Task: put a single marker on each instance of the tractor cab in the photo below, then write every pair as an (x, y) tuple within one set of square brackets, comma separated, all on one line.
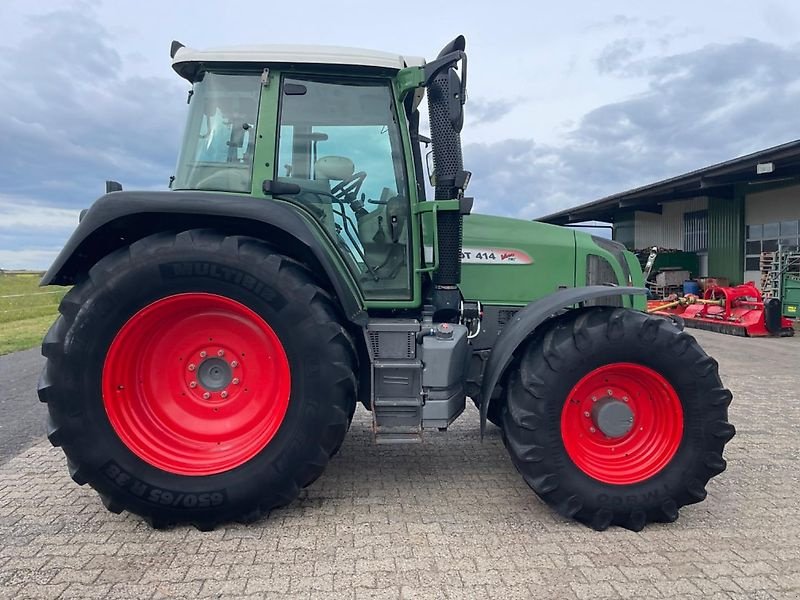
[(332, 139)]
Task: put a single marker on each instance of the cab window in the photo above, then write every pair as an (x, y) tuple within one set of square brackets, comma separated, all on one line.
[(219, 141), (340, 142)]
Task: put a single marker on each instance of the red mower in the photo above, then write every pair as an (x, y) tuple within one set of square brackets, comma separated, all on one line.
[(739, 310)]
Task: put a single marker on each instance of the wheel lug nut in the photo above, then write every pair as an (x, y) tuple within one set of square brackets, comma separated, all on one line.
[(624, 398), (206, 396), (609, 392), (234, 364), (592, 429), (235, 381), (191, 367), (220, 352), (223, 394), (193, 384), (203, 354), (586, 414), (594, 398)]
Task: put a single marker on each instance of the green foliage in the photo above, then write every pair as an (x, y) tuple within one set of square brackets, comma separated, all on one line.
[(26, 310)]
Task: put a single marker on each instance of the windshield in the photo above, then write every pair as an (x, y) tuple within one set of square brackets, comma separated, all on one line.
[(219, 142)]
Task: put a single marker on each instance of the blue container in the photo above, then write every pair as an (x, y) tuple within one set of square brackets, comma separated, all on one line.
[(691, 287)]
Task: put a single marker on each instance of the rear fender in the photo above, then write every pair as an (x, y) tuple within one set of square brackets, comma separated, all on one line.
[(120, 218), (526, 321)]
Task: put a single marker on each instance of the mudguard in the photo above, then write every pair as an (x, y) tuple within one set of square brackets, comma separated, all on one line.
[(120, 218), (525, 321)]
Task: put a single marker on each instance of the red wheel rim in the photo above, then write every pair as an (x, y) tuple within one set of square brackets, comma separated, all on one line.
[(196, 384), (655, 423)]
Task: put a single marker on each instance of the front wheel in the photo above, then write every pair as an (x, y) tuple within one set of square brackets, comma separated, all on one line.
[(614, 417), (198, 378)]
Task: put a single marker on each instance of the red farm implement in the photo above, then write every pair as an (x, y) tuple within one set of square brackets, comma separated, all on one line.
[(739, 310)]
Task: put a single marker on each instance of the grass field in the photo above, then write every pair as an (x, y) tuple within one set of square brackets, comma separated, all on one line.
[(26, 310)]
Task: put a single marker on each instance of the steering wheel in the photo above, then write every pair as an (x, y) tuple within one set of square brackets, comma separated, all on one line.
[(347, 189)]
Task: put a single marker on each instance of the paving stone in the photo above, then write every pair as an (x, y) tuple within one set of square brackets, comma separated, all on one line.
[(447, 519)]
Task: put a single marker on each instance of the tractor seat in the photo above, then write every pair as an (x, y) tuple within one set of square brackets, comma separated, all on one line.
[(337, 168)]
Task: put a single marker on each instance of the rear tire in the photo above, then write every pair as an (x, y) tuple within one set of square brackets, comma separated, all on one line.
[(146, 429), (670, 445)]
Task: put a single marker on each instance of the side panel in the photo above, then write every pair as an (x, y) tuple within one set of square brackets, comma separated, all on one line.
[(120, 218), (512, 262)]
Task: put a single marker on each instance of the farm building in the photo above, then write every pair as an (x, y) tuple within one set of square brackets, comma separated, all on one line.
[(726, 214)]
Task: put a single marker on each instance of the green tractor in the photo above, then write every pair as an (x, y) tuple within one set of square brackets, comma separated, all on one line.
[(207, 362)]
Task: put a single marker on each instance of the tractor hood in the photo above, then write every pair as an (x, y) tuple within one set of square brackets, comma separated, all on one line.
[(511, 261)]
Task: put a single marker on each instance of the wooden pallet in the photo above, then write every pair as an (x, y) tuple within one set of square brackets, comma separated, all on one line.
[(662, 291)]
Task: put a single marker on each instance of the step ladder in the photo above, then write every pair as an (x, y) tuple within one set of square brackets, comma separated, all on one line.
[(396, 381), (397, 420)]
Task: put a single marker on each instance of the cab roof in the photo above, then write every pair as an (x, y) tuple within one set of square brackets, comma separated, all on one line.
[(185, 60)]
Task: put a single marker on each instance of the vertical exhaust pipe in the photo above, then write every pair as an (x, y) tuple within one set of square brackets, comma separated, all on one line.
[(446, 94)]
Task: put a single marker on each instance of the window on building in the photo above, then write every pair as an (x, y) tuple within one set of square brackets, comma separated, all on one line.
[(768, 237), (695, 231)]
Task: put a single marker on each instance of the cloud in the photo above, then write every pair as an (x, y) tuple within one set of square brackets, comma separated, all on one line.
[(34, 258), (70, 118), (31, 233), (699, 108), (19, 213), (480, 110), (613, 22), (779, 19), (619, 54)]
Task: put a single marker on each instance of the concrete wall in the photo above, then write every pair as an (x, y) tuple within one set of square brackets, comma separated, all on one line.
[(775, 205)]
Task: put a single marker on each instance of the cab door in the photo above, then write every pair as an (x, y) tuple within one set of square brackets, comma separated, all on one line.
[(340, 140)]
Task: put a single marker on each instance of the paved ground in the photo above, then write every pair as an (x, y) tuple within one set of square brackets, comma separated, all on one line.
[(448, 519), (23, 419)]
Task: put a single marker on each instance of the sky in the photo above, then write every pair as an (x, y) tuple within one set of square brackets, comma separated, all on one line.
[(568, 101)]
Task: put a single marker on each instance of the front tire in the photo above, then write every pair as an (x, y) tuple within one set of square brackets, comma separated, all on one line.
[(614, 417), (198, 378)]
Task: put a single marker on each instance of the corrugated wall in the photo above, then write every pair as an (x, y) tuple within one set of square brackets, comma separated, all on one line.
[(624, 229), (665, 230), (726, 237)]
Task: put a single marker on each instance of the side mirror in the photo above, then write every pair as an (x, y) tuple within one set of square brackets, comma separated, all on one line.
[(456, 101)]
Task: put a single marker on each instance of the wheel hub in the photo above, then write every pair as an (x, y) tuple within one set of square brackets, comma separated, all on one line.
[(214, 374), (613, 417)]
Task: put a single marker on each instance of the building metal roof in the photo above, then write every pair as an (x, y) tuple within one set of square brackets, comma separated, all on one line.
[(773, 165), (183, 58)]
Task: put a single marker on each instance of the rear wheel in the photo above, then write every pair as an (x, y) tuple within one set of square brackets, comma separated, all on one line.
[(615, 417), (198, 378)]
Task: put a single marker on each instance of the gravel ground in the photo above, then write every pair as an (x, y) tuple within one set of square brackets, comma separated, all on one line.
[(446, 519)]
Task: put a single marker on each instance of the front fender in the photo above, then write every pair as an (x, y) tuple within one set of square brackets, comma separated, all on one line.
[(120, 218), (525, 321)]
